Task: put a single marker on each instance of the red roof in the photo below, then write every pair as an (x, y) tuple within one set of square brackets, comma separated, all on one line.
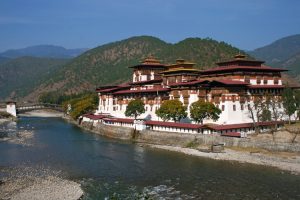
[(222, 81), (123, 120), (113, 88), (242, 125), (231, 134), (142, 91), (229, 82), (106, 87), (246, 68), (94, 117), (173, 124)]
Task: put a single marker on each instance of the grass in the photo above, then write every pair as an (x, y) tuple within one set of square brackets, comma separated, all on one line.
[(5, 115), (192, 144)]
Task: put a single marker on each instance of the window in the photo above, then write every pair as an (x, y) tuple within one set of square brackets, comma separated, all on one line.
[(234, 108), (247, 79), (242, 107), (223, 107), (258, 80)]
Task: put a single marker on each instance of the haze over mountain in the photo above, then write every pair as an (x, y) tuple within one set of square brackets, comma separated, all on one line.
[(3, 59), (43, 51)]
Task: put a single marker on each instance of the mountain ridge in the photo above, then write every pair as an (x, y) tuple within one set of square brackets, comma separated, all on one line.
[(19, 76), (279, 50), (108, 64), (43, 51)]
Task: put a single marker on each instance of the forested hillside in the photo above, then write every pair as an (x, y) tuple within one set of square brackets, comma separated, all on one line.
[(43, 51), (20, 76), (108, 64), (278, 51)]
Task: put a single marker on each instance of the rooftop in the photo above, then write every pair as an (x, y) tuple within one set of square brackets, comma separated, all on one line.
[(150, 61), (241, 60), (231, 68), (173, 124)]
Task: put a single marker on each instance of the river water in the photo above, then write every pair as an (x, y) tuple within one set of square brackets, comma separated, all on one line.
[(113, 169)]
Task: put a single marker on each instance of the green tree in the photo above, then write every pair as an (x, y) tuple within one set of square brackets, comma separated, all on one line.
[(201, 110), (289, 102), (297, 99), (135, 108), (172, 109), (82, 105), (266, 115)]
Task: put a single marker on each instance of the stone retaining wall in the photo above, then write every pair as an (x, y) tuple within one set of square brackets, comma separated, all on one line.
[(116, 132), (265, 141)]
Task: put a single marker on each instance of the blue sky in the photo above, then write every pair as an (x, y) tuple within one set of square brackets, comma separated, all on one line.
[(246, 24)]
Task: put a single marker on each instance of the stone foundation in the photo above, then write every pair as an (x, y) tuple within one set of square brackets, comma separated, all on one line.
[(282, 140)]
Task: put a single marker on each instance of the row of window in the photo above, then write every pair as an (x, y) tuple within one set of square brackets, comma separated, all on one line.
[(259, 80), (243, 106)]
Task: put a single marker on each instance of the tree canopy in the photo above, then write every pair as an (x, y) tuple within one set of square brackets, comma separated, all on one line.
[(201, 110), (172, 110), (289, 102), (135, 108), (81, 105)]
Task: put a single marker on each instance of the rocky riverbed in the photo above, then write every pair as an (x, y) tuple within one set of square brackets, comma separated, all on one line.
[(36, 183)]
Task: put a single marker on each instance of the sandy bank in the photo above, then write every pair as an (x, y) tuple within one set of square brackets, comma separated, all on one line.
[(28, 183), (46, 189), (42, 113), (281, 160), (4, 120)]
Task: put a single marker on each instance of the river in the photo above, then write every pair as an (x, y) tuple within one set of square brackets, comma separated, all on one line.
[(113, 169)]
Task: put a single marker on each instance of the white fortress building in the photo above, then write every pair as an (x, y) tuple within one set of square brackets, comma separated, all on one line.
[(237, 87)]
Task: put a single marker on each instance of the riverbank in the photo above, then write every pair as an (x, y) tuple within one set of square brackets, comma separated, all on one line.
[(280, 150), (282, 160), (6, 117), (2, 121), (36, 188), (25, 182)]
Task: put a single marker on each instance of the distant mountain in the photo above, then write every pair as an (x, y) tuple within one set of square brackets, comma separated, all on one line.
[(19, 76), (108, 64), (278, 51), (284, 53), (43, 51)]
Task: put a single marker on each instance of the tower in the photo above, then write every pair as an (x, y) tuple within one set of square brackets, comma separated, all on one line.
[(11, 108)]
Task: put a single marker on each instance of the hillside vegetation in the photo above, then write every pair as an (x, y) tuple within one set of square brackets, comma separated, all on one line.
[(43, 51), (108, 64), (284, 53), (19, 76), (278, 51)]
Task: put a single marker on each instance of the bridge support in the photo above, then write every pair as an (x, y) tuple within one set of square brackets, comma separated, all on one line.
[(11, 108)]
